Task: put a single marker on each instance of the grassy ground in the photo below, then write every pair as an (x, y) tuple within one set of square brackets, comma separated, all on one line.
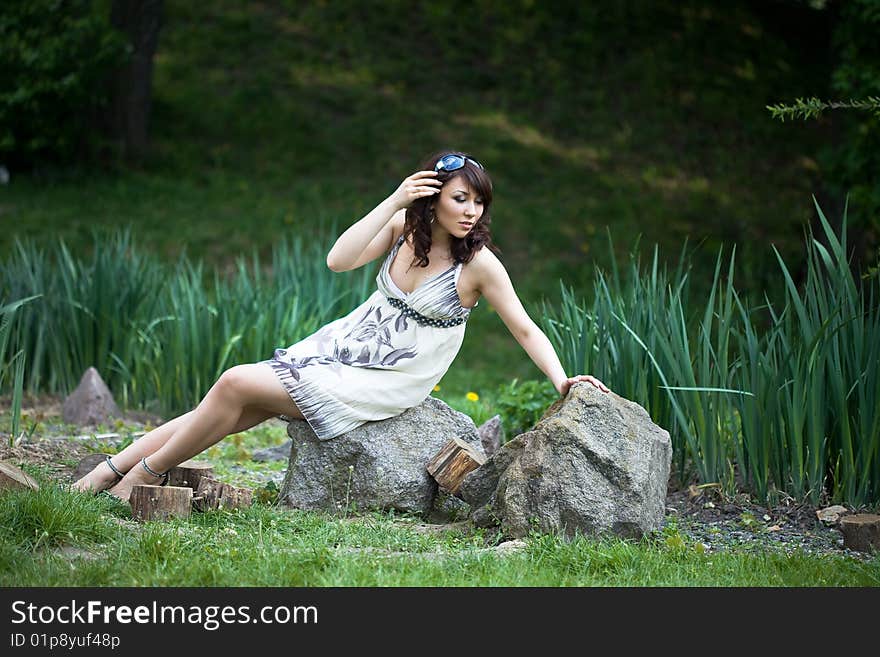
[(54, 537)]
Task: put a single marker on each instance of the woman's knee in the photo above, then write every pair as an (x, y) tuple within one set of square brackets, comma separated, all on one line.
[(233, 382)]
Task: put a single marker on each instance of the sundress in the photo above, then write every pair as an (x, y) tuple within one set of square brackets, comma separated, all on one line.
[(382, 358)]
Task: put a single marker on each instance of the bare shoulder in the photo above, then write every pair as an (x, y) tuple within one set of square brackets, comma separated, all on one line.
[(484, 258), (487, 267)]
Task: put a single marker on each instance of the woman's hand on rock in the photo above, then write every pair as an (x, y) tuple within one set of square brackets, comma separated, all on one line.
[(414, 187), (566, 385)]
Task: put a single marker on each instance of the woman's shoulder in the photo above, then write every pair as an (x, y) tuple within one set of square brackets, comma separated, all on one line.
[(485, 265), (484, 258)]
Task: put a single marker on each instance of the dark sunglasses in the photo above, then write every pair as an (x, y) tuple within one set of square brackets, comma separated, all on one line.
[(454, 163)]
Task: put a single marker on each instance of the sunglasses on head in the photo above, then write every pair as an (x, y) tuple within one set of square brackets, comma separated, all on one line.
[(454, 163)]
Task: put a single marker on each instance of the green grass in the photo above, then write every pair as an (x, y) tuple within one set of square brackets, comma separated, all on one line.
[(57, 538)]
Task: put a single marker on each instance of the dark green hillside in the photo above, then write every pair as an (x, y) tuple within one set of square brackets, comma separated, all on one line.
[(646, 118)]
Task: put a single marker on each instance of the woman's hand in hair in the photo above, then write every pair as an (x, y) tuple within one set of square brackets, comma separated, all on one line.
[(414, 187)]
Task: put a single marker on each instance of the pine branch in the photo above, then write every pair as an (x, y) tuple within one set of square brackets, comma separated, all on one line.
[(812, 108)]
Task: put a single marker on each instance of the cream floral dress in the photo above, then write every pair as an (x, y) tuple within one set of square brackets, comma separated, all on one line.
[(382, 358)]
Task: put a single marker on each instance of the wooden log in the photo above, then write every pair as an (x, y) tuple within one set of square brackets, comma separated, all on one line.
[(861, 532), (160, 502), (14, 477), (189, 473), (87, 464), (213, 494), (450, 465)]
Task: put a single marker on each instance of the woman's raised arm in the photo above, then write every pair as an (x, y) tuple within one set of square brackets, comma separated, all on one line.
[(370, 236), (496, 287)]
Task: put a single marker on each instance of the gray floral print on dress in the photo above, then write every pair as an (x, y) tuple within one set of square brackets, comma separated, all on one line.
[(370, 328)]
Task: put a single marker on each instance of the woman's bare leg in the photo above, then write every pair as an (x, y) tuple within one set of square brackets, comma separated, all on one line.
[(254, 386), (102, 476)]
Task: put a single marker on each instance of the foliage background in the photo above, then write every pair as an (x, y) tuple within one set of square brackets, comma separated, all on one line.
[(294, 118)]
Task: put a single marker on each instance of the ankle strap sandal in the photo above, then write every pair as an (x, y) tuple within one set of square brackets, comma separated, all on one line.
[(119, 474), (159, 475)]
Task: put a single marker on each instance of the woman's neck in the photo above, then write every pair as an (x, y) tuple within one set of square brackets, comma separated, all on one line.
[(441, 240)]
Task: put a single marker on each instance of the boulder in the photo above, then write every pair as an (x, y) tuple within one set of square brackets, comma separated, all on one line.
[(379, 465), (594, 463), (91, 403), (491, 435), (276, 453)]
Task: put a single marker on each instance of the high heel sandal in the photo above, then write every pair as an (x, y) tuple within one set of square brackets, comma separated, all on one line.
[(159, 475)]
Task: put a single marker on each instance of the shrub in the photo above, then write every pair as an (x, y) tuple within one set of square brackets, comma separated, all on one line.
[(522, 403), (56, 59)]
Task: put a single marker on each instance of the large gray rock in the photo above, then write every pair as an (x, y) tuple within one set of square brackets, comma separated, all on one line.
[(491, 435), (91, 403), (594, 463), (379, 465), (276, 453)]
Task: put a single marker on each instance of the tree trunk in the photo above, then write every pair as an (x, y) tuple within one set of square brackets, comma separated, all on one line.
[(861, 532), (86, 465), (213, 494), (189, 474), (450, 465), (14, 477), (139, 21), (160, 502)]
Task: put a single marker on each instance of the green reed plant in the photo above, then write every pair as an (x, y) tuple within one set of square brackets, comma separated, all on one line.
[(161, 334), (787, 395), (832, 339), (637, 337), (16, 363)]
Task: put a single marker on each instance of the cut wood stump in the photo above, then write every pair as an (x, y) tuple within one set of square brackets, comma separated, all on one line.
[(14, 477), (87, 465), (189, 474), (861, 532), (450, 465), (160, 502), (213, 494)]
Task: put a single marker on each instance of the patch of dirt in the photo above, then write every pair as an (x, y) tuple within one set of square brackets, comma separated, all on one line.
[(719, 523)]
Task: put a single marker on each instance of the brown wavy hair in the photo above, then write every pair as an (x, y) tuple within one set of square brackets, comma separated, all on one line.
[(418, 217)]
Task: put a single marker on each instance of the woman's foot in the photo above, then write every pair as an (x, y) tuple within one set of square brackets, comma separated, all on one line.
[(103, 476), (139, 474)]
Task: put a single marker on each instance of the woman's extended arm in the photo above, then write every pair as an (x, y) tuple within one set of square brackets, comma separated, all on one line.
[(364, 240), (496, 287)]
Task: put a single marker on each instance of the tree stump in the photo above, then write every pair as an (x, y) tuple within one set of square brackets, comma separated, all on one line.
[(160, 502), (213, 494), (189, 473), (87, 464), (861, 532), (450, 465), (14, 477)]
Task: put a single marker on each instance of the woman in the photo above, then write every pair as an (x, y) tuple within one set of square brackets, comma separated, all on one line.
[(388, 353)]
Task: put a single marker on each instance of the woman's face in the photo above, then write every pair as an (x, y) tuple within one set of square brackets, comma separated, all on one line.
[(458, 207)]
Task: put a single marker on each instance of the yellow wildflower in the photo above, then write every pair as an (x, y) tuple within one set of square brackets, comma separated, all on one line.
[(472, 396), (437, 388)]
